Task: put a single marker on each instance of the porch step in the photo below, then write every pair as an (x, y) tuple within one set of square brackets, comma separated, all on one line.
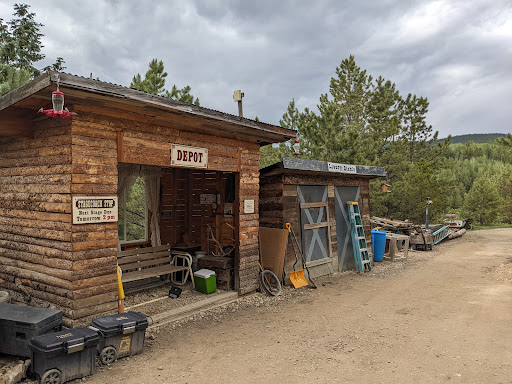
[(194, 308)]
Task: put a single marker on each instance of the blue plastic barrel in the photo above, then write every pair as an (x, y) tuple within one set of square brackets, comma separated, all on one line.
[(378, 245)]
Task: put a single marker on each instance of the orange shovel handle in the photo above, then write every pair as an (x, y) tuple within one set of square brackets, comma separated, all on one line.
[(288, 227)]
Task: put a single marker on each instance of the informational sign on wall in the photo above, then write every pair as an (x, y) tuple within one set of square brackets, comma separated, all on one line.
[(207, 198), (341, 168), (228, 210), (248, 206), (185, 156), (95, 209)]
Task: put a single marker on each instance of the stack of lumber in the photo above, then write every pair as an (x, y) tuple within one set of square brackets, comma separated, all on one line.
[(392, 225)]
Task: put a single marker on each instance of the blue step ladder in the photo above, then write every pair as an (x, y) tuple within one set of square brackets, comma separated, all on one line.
[(361, 254)]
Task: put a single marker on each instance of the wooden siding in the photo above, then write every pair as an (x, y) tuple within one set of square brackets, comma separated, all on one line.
[(278, 203), (47, 261), (36, 253), (94, 160)]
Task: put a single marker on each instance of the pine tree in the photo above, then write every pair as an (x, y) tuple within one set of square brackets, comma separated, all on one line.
[(271, 154), (505, 189), (385, 111), (291, 120), (20, 49), (408, 197), (350, 90), (415, 128), (20, 40), (13, 78), (154, 80), (337, 132), (154, 83), (482, 203), (505, 141), (182, 95), (57, 66)]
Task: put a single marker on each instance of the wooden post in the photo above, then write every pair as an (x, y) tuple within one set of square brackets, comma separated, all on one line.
[(240, 111), (237, 96)]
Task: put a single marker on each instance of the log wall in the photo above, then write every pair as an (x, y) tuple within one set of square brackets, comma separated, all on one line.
[(141, 142), (47, 261)]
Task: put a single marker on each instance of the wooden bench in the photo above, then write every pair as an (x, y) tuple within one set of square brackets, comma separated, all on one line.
[(143, 263)]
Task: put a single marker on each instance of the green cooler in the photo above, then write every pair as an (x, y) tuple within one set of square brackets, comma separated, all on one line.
[(205, 280)]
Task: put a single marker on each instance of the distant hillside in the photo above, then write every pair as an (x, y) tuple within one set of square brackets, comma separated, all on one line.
[(477, 138)]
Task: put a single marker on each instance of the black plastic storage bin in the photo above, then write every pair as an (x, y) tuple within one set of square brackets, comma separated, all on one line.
[(20, 323), (122, 335), (65, 355)]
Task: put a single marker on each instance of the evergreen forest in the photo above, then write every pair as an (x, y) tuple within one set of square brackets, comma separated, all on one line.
[(365, 120)]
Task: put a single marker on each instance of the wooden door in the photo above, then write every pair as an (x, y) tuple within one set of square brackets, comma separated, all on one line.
[(315, 229), (345, 251)]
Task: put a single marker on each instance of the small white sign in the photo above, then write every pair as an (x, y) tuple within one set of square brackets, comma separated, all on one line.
[(248, 206), (207, 198), (228, 210), (341, 168), (94, 209), (185, 156)]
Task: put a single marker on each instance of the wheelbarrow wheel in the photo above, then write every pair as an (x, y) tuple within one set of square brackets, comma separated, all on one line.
[(52, 376), (270, 283), (108, 355)]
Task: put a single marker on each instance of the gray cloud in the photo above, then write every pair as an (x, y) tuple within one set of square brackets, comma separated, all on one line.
[(457, 54)]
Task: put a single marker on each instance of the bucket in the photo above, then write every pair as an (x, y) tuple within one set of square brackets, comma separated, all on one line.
[(196, 258), (378, 245)]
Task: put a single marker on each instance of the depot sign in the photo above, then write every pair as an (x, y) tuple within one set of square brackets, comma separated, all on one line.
[(185, 156)]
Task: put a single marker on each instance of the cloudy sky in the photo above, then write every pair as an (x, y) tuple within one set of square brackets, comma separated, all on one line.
[(458, 54)]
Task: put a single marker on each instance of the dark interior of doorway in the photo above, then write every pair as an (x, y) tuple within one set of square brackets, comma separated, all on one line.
[(193, 201)]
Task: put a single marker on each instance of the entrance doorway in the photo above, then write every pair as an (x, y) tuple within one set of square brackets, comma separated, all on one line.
[(315, 230), (345, 251)]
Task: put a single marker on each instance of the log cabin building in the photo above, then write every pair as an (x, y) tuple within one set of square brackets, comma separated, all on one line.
[(194, 169), (312, 196)]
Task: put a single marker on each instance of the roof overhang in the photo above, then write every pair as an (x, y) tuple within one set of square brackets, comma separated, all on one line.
[(18, 109), (325, 168)]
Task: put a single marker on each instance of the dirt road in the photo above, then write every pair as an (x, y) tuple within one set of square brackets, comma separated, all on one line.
[(442, 316)]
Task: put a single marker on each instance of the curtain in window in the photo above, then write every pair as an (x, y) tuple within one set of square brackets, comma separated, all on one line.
[(151, 176), (127, 174)]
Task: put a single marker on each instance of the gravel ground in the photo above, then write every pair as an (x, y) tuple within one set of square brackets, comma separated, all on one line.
[(440, 325), (164, 303), (382, 270), (440, 316)]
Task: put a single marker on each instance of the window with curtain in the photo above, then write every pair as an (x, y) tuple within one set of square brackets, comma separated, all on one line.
[(133, 224)]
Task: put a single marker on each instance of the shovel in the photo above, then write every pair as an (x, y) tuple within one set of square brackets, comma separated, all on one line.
[(296, 277)]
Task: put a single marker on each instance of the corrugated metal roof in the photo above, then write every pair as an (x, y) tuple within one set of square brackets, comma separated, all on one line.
[(328, 168), (265, 133), (158, 96)]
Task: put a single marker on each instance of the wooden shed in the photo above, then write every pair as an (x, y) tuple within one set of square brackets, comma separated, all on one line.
[(312, 196), (195, 170)]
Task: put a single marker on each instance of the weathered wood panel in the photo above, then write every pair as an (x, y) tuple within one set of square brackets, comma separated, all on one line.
[(276, 210), (36, 258)]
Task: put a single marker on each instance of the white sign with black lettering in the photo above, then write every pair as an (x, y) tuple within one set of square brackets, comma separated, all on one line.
[(248, 206), (341, 168), (94, 209), (186, 156)]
